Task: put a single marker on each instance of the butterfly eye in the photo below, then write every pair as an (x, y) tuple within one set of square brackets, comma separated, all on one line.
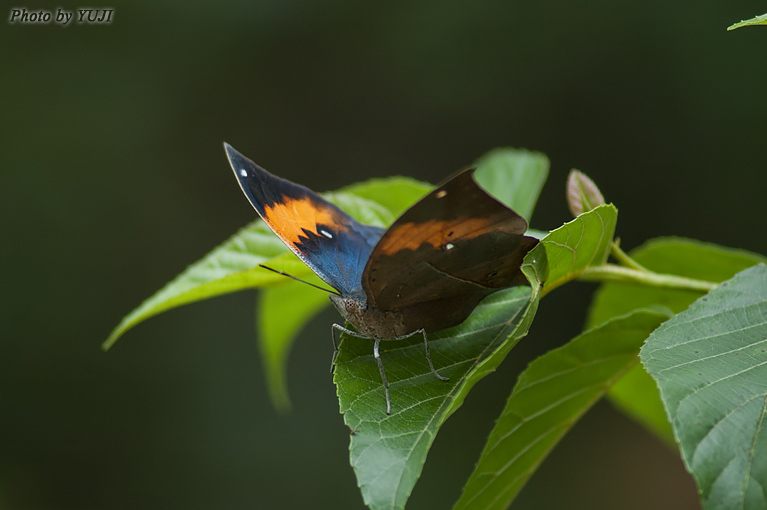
[(326, 233), (441, 194)]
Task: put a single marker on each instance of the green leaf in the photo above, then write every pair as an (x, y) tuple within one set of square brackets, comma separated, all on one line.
[(710, 362), (549, 398), (579, 244), (638, 396), (388, 452), (228, 268), (395, 194), (283, 311), (758, 20), (515, 177)]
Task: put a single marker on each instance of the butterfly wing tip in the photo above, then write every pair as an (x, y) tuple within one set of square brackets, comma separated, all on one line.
[(239, 163), (231, 152)]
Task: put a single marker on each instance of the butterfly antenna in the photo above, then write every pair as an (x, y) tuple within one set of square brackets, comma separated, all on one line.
[(299, 280)]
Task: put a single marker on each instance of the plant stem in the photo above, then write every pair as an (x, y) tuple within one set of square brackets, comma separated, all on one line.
[(644, 277), (625, 258)]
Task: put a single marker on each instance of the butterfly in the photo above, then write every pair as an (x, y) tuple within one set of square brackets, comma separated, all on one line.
[(423, 274)]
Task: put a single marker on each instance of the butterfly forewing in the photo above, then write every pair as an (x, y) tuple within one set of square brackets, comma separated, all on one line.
[(333, 244)]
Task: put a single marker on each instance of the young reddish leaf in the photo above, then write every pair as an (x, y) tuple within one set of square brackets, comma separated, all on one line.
[(582, 193)]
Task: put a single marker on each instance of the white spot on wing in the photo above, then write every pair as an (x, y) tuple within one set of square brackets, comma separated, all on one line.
[(243, 173), (326, 234), (449, 246), (441, 194)]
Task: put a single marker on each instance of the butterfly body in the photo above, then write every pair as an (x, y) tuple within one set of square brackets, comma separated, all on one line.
[(423, 274)]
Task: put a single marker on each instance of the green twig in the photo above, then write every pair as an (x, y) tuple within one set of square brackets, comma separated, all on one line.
[(614, 272), (624, 258)]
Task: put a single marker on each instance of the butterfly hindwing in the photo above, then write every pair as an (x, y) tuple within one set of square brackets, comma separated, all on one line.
[(333, 244), (446, 253)]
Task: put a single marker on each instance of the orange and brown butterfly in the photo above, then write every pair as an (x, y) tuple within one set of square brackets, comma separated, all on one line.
[(425, 273)]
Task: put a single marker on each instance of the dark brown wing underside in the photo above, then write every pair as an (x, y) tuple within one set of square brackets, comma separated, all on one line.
[(445, 254), (442, 291)]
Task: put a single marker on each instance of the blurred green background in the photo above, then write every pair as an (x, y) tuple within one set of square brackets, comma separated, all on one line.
[(113, 179)]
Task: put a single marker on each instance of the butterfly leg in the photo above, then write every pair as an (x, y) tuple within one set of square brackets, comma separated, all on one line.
[(333, 329), (377, 356), (428, 357)]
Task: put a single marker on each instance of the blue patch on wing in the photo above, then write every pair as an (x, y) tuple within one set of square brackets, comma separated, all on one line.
[(330, 242)]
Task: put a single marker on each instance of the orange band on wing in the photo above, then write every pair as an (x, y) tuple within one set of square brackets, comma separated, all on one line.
[(290, 218), (410, 236)]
